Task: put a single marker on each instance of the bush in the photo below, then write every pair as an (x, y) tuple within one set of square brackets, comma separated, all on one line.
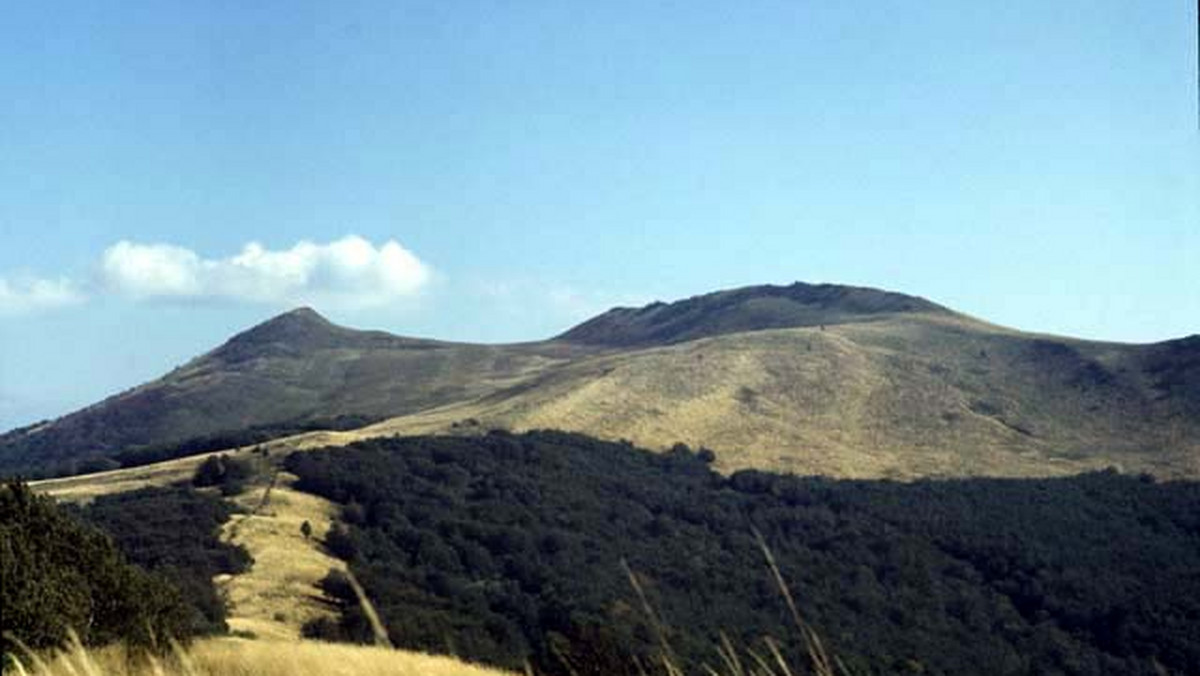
[(228, 473)]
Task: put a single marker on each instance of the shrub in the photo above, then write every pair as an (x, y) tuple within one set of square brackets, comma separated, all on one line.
[(228, 473)]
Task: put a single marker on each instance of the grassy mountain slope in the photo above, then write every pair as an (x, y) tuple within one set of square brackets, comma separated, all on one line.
[(902, 396), (806, 378)]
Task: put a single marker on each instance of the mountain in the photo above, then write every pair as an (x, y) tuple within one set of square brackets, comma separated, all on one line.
[(813, 379), (293, 368)]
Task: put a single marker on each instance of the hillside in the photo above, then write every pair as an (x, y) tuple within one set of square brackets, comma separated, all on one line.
[(900, 397), (821, 379)]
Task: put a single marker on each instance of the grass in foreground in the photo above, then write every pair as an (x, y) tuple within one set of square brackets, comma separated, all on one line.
[(238, 657)]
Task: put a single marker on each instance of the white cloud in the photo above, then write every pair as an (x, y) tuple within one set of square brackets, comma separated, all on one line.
[(349, 272), (146, 270), (30, 294)]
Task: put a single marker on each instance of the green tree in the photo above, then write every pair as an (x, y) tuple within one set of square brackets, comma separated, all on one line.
[(57, 574)]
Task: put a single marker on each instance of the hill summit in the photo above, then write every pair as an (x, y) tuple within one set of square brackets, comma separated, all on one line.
[(304, 331), (299, 328), (752, 308)]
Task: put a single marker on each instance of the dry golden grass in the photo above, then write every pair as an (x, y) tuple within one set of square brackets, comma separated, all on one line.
[(85, 487), (279, 593), (240, 657), (237, 657)]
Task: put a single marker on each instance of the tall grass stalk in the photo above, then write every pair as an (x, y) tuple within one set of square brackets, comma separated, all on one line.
[(812, 641), (757, 663)]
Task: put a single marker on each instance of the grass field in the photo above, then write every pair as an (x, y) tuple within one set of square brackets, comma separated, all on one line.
[(84, 487)]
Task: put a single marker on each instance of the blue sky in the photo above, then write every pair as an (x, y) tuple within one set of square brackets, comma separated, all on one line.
[(498, 171)]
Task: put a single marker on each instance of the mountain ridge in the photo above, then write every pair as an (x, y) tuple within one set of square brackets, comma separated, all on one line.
[(848, 381)]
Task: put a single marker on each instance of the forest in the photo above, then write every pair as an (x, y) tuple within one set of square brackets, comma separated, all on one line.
[(505, 548), (174, 532)]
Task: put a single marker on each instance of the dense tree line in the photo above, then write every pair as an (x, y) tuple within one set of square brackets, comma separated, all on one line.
[(507, 547), (175, 533), (145, 455), (57, 574)]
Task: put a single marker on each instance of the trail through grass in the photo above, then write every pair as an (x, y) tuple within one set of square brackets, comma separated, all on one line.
[(279, 593)]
